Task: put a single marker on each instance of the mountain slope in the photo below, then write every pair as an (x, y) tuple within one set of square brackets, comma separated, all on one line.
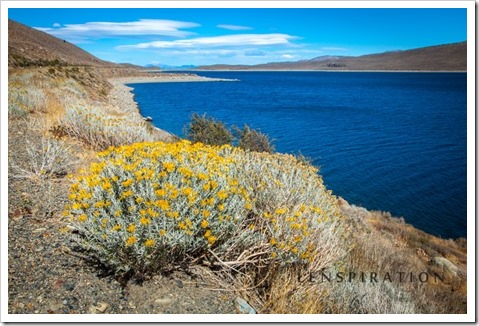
[(448, 57), (30, 47)]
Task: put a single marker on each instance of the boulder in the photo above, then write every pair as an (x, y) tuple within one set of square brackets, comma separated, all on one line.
[(447, 266)]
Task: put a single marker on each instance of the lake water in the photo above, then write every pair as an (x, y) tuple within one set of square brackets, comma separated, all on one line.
[(385, 141)]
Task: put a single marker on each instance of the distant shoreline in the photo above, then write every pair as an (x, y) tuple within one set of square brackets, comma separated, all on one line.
[(170, 78), (315, 70)]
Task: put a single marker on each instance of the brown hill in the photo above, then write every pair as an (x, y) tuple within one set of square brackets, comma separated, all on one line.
[(30, 47), (448, 57)]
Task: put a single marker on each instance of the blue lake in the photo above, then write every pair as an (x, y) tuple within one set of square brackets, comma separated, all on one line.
[(385, 141)]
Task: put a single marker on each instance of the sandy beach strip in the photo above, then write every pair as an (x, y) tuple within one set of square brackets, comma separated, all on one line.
[(170, 78)]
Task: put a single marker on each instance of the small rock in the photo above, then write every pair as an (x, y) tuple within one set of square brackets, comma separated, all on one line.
[(179, 284), (39, 230), (163, 301), (102, 307), (56, 307), (69, 286), (243, 307)]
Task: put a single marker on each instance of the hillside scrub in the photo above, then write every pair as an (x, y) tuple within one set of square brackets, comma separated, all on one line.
[(210, 131)]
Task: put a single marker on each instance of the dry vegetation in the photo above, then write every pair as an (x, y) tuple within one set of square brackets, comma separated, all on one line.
[(291, 228)]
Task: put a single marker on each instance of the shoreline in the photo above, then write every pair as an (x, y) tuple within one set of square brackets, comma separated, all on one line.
[(122, 97), (170, 78)]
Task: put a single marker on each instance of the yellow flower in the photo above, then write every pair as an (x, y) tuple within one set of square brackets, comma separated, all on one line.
[(173, 194), (273, 241), (126, 194), (131, 240), (131, 228), (162, 233), (82, 218), (211, 239), (222, 194), (182, 225), (151, 212), (221, 207), (163, 204), (116, 228), (149, 243), (204, 224), (187, 191), (202, 176), (160, 192), (169, 166), (139, 200), (207, 233), (145, 221), (172, 214), (248, 206), (106, 185), (76, 206), (206, 213)]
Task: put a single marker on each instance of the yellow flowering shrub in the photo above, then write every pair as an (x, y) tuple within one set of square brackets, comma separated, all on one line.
[(148, 206)]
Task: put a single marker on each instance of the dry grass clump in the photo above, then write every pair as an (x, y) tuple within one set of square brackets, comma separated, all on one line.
[(25, 96), (384, 244), (146, 207), (101, 129), (39, 173)]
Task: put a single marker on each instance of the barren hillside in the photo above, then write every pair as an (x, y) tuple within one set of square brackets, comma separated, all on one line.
[(30, 47), (448, 57)]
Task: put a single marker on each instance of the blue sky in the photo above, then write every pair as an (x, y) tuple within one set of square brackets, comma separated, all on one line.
[(244, 36)]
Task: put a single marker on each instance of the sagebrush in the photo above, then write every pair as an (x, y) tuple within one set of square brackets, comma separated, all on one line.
[(147, 207)]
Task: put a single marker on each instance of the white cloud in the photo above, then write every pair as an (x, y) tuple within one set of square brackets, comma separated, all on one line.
[(287, 56), (218, 41), (234, 27), (99, 30), (57, 25)]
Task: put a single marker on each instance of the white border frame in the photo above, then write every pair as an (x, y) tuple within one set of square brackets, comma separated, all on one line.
[(471, 118)]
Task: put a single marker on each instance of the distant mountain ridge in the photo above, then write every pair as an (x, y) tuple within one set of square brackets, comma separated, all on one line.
[(447, 57)]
